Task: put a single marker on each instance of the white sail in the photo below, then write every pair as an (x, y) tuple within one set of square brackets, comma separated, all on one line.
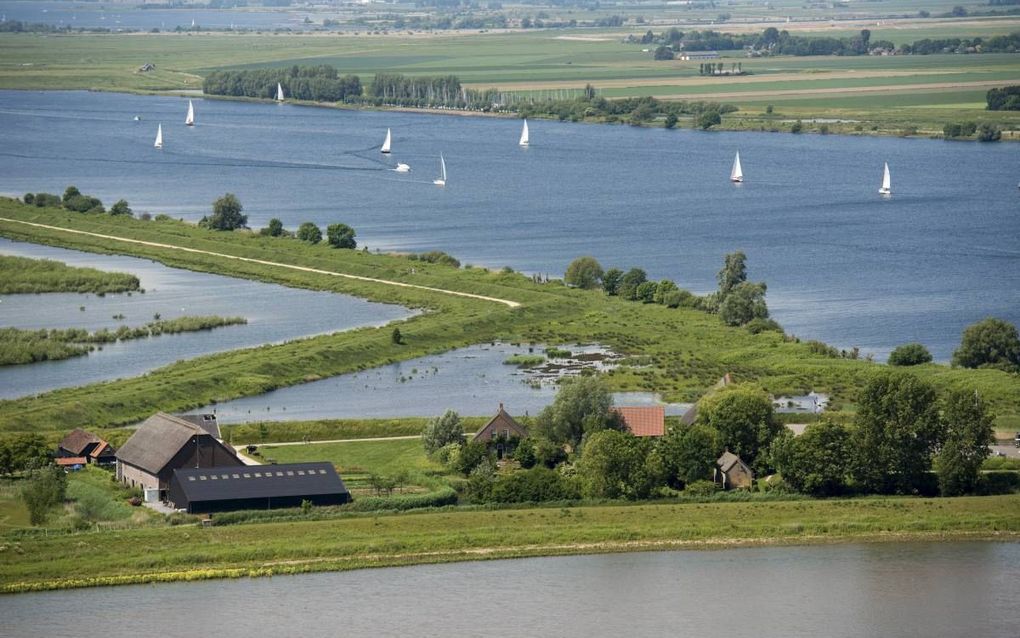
[(524, 134), (386, 144), (190, 120), (159, 137), (442, 167), (279, 92), (737, 174), (886, 182)]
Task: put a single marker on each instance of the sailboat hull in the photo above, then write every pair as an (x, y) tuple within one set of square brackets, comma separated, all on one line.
[(439, 182), (737, 180), (885, 191)]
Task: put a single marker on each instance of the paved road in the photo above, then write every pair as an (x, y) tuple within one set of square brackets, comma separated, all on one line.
[(505, 302)]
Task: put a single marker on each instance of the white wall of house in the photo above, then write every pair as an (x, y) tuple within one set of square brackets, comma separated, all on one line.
[(133, 477)]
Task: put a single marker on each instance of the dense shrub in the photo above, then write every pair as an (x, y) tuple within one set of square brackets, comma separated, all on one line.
[(909, 354)]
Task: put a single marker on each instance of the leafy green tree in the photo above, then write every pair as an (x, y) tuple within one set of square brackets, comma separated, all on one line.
[(689, 454), (121, 208), (70, 193), (629, 283), (896, 430), (226, 214), (670, 120), (442, 431), (584, 272), (611, 280), (29, 198), (273, 229), (909, 354), (533, 486), (968, 434), (645, 293), (524, 453), (664, 53), (396, 336), (733, 273), (708, 119), (341, 236), (797, 127), (471, 456), (45, 489), (989, 132), (990, 343), (674, 298), (818, 461), (583, 406), (309, 232), (745, 422), (23, 452), (619, 465), (662, 289), (744, 303)]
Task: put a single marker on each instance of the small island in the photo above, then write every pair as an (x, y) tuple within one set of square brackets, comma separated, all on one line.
[(21, 275)]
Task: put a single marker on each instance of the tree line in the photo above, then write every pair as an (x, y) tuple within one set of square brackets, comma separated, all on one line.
[(317, 83), (738, 302), (1005, 99), (904, 439), (772, 41)]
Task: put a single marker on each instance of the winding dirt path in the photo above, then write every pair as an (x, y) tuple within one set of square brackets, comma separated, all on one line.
[(263, 262)]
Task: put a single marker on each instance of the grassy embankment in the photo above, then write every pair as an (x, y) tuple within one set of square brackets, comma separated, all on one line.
[(21, 275), (677, 352), (37, 562), (883, 95)]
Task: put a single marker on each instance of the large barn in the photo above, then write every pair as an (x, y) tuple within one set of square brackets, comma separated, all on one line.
[(164, 443), (256, 487)]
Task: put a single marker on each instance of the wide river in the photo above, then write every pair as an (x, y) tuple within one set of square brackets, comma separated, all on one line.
[(927, 590), (274, 314), (843, 264)]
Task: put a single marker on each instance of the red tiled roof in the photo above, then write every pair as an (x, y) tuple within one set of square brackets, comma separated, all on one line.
[(71, 460), (645, 421)]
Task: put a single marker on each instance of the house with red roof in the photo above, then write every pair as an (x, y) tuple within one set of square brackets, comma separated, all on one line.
[(644, 420)]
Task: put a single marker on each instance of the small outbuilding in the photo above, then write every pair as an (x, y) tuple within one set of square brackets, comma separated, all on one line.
[(501, 432), (731, 472), (164, 443), (222, 489), (644, 420), (82, 444)]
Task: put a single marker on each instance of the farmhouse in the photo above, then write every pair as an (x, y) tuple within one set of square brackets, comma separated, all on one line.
[(84, 445), (222, 489), (698, 55), (645, 420), (731, 472), (502, 431), (164, 443)]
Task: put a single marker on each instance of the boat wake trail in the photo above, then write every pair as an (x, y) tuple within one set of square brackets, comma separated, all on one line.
[(215, 163)]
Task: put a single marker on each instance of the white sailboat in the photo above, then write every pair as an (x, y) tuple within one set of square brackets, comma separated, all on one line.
[(737, 174), (190, 120), (386, 144), (886, 182), (279, 92), (402, 168), (442, 167), (524, 135), (159, 137)]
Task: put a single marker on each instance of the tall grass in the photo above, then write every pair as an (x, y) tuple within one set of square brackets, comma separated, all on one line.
[(21, 275)]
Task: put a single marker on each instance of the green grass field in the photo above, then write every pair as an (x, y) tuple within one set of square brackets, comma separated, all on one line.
[(375, 540)]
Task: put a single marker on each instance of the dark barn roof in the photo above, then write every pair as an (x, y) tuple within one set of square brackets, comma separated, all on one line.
[(258, 482), (205, 421), (157, 440)]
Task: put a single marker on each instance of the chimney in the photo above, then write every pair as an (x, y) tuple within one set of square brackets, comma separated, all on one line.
[(501, 406)]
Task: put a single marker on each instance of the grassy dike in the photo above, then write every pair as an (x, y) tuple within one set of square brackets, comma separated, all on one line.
[(40, 562), (674, 351)]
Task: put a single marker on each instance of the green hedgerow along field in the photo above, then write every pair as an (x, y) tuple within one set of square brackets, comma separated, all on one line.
[(682, 351)]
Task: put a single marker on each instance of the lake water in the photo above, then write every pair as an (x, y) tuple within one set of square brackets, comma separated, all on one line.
[(842, 264), (105, 15), (274, 314), (923, 590), (472, 381)]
